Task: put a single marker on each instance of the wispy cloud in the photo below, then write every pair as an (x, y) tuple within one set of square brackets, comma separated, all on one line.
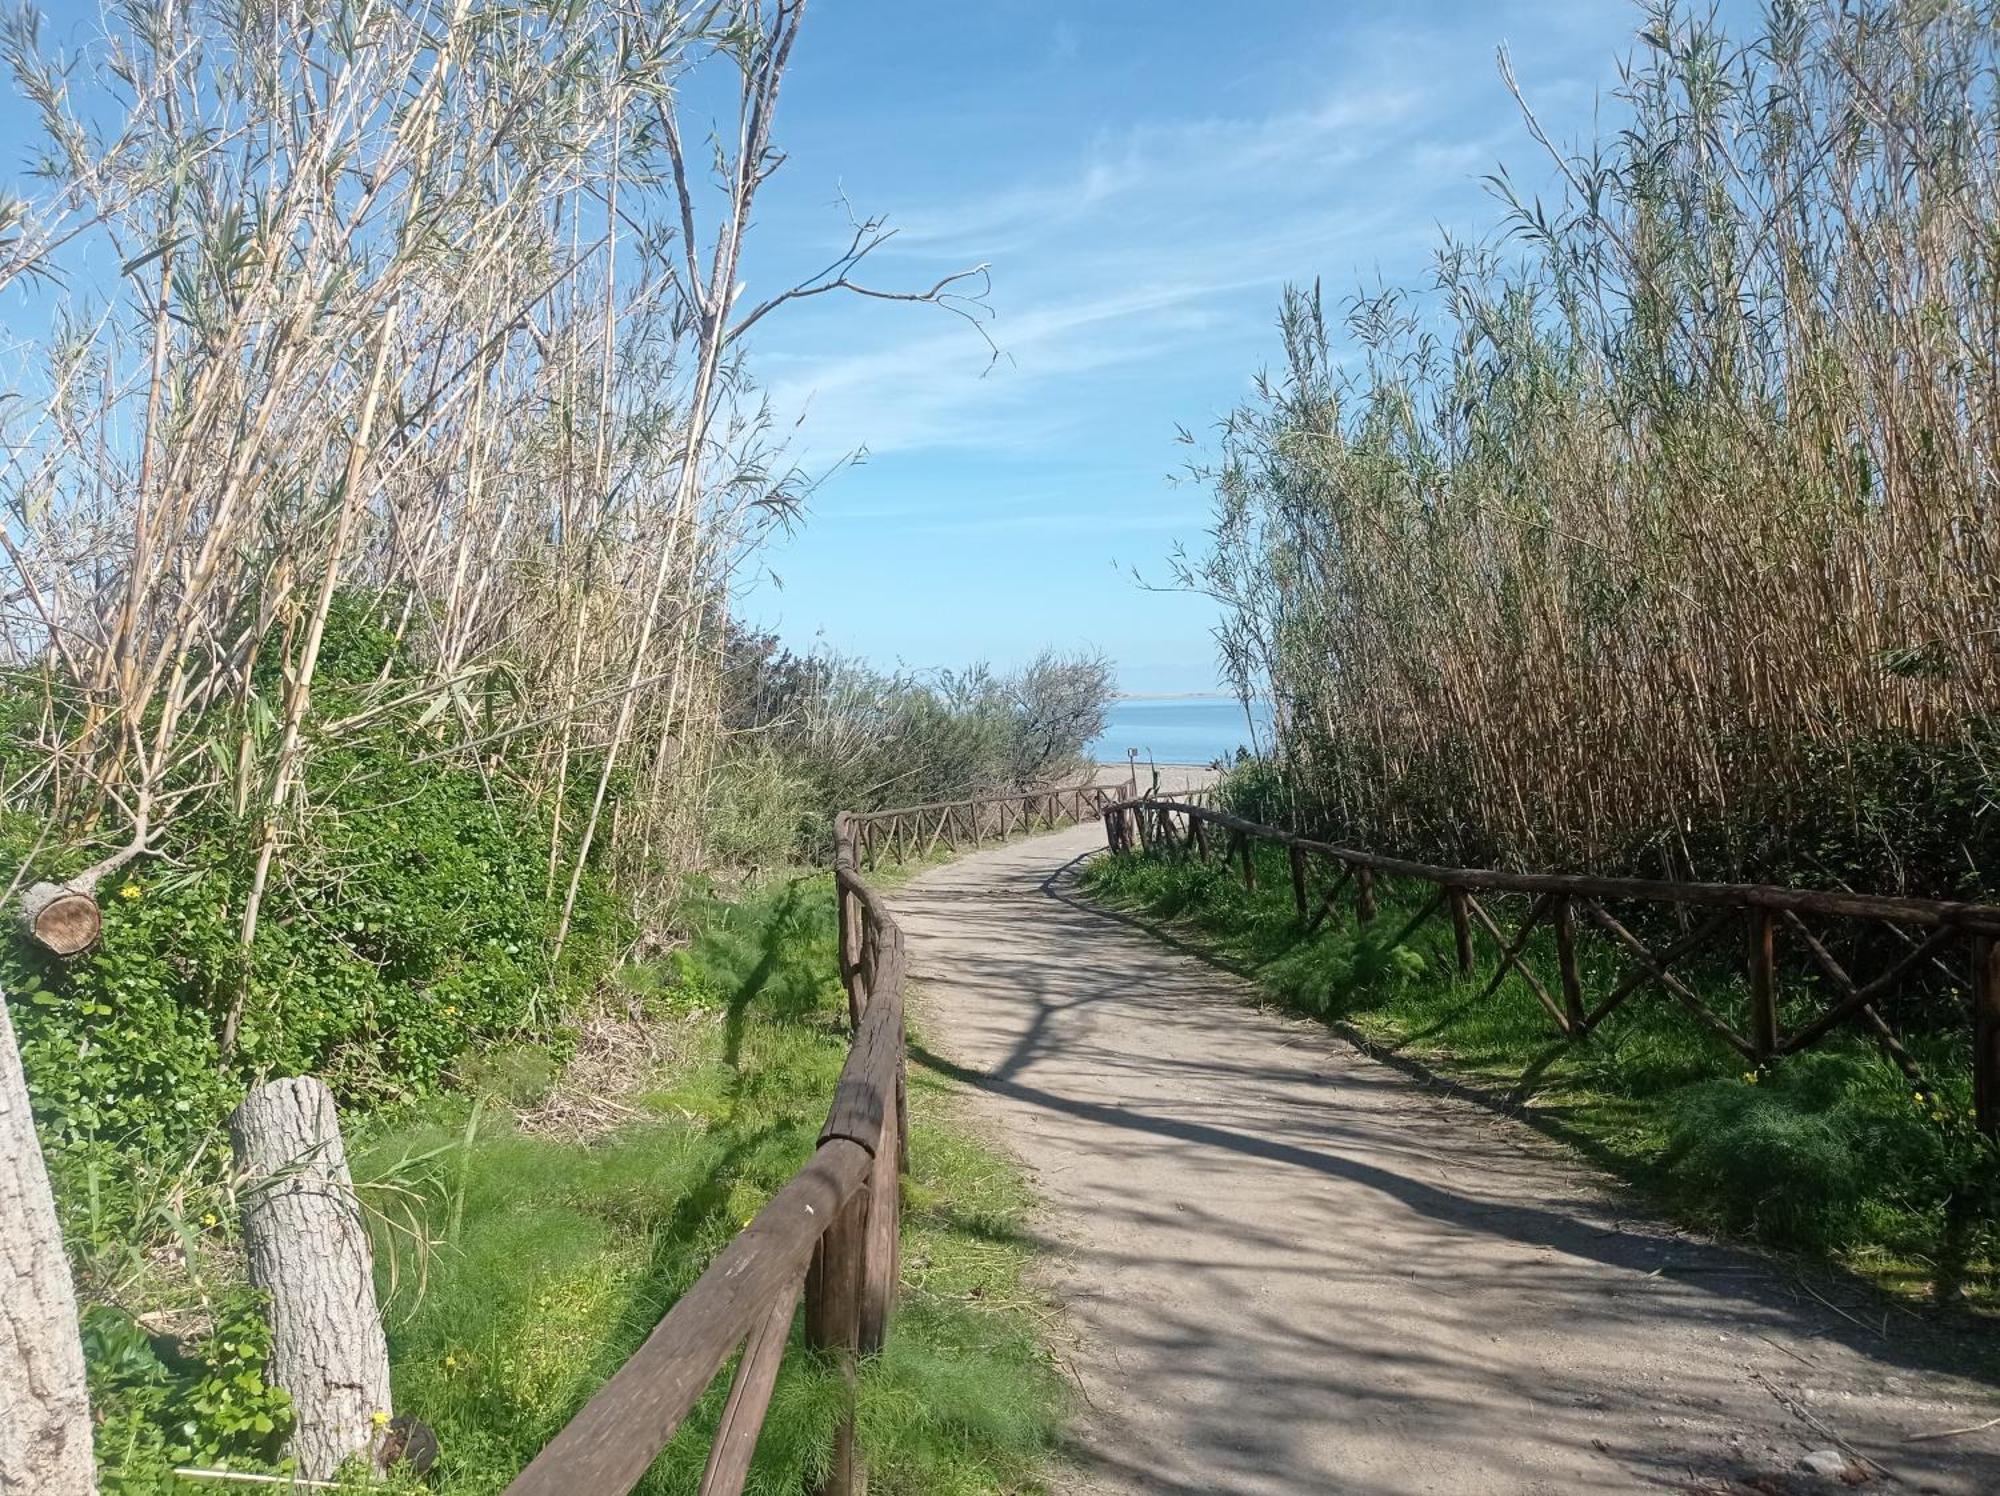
[(1160, 245), (1136, 267), (1153, 165)]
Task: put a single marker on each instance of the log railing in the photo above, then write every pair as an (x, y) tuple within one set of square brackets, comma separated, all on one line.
[(920, 830), (830, 1235), (1958, 942)]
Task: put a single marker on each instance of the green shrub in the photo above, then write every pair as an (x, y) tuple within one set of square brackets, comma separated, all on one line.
[(411, 920), (159, 1404), (408, 928), (831, 734), (1816, 1152)]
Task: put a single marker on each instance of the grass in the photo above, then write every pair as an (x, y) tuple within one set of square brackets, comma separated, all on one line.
[(1830, 1155), (554, 1257)]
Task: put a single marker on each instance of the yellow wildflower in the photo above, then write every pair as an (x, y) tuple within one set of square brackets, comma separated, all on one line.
[(129, 891)]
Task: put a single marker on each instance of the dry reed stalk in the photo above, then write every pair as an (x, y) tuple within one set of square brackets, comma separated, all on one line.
[(1674, 517), (411, 322)]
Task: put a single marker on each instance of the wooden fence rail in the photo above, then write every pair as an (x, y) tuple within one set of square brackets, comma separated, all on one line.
[(830, 1236), (1925, 932), (919, 830)]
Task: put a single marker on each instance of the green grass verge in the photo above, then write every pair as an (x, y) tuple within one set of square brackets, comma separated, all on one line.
[(552, 1259), (1830, 1154)]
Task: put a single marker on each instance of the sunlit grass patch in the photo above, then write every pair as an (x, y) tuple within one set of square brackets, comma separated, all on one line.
[(553, 1259)]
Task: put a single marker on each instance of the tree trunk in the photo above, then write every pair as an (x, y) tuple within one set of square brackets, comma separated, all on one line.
[(309, 1250), (44, 1412)]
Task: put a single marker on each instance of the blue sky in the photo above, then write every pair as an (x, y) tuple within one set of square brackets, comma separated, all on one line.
[(1143, 180)]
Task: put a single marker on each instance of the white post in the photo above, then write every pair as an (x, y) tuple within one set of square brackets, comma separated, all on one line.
[(44, 1410), (309, 1250)]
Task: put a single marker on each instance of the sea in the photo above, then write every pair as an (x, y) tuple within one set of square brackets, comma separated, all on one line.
[(1179, 730)]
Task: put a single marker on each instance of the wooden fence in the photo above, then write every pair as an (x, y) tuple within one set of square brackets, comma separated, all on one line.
[(1926, 934), (829, 1236), (919, 830)]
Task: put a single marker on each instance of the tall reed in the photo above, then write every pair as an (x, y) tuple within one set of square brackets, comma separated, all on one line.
[(1661, 530), (411, 305)]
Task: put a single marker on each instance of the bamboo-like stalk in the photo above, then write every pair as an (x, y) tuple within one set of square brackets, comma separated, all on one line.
[(413, 324), (1645, 541)]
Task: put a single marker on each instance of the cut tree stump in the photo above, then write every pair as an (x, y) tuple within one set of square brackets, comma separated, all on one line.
[(309, 1251), (61, 918), (45, 1445)]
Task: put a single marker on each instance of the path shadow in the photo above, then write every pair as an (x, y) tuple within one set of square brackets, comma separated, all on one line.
[(1937, 1342)]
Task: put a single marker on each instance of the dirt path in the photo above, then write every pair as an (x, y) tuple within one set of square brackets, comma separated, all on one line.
[(1294, 1269)]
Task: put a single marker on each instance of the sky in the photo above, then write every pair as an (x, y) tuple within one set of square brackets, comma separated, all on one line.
[(1142, 181)]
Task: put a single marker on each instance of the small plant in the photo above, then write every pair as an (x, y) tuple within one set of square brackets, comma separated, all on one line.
[(161, 1403)]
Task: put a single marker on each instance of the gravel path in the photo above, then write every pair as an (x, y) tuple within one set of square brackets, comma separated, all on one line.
[(1291, 1268)]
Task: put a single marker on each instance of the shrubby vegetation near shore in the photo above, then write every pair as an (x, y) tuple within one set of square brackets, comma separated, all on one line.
[(1658, 534), (816, 733)]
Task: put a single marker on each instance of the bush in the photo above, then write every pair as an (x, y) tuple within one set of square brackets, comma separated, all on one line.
[(416, 923), (831, 734), (410, 922), (1256, 789), (1807, 1154), (159, 1403)]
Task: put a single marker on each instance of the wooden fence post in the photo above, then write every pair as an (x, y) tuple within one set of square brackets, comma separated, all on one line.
[(1364, 894), (1564, 914), (1986, 1034), (1201, 838), (833, 1325), (309, 1251), (853, 952), (1249, 845), (1763, 983), (1461, 927), (1298, 856), (881, 1249), (45, 1435)]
